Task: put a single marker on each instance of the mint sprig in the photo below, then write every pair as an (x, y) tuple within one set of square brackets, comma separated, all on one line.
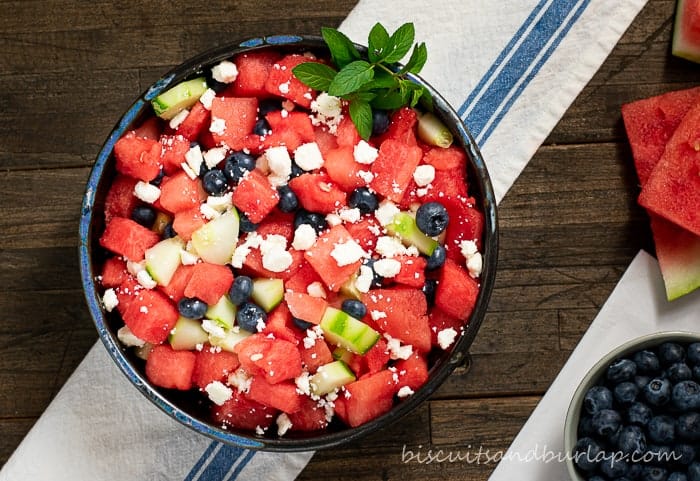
[(371, 82)]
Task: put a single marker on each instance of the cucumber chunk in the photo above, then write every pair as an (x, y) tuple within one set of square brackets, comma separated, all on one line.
[(187, 334), (349, 289), (342, 354), (404, 226), (267, 293), (182, 96), (163, 259), (345, 331), (223, 312), (432, 131), (216, 240), (229, 341), (329, 377)]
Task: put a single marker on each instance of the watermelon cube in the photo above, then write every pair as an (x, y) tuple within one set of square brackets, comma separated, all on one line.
[(456, 291), (346, 133), (241, 412), (279, 324), (172, 152), (255, 196), (342, 169), (306, 307), (402, 127), (466, 224), (319, 257), (452, 157), (253, 265), (178, 192), (282, 82), (113, 272), (185, 222), (282, 396), (412, 271), (394, 167), (324, 139), (211, 365), (209, 282), (170, 369), (305, 275), (150, 315), (120, 200), (316, 355), (151, 128), (138, 157), (253, 70), (365, 231), (318, 193), (238, 115), (413, 372), (128, 238), (196, 122), (369, 398), (175, 290), (299, 122), (276, 359), (310, 417), (439, 321)]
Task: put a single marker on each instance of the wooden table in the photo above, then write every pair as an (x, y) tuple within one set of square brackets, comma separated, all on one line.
[(569, 226)]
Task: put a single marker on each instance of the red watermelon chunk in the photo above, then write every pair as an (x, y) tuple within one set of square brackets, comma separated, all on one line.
[(301, 279), (255, 196), (282, 396), (278, 360), (211, 365), (368, 398), (151, 128), (138, 157), (450, 185), (172, 152), (277, 223), (306, 307), (239, 115), (377, 358), (466, 224), (127, 292), (342, 169), (209, 282), (128, 238), (402, 127), (175, 290), (405, 312), (319, 256), (316, 355), (439, 321), (324, 139), (686, 30), (187, 221), (456, 291), (241, 412), (253, 265), (450, 158), (299, 122), (253, 70), (394, 167), (346, 133), (318, 193), (365, 231), (279, 324), (113, 272), (120, 200), (413, 372), (179, 192), (412, 271), (196, 122), (170, 369), (282, 82), (310, 417), (150, 316)]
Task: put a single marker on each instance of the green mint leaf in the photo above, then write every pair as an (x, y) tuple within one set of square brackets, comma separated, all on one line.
[(315, 75), (400, 43), (351, 78), (342, 49), (378, 41), (362, 96), (388, 100), (416, 96), (382, 80), (361, 116), (417, 61), (426, 100)]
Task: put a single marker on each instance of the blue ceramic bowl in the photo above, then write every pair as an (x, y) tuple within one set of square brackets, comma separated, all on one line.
[(187, 407)]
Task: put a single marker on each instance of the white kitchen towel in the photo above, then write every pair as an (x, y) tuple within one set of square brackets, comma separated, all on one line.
[(636, 307), (510, 68)]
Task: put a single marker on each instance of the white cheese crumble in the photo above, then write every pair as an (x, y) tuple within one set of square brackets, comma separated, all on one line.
[(475, 265), (128, 338), (240, 379), (284, 87), (385, 212), (387, 267), (220, 202), (252, 241), (364, 153), (468, 247), (213, 328), (304, 237), (405, 391), (389, 246), (364, 280), (308, 156), (207, 98), (194, 159), (311, 336), (350, 215), (110, 300), (209, 212), (280, 165), (218, 392), (188, 258), (327, 110), (275, 256), (302, 383), (225, 72), (259, 431), (188, 170), (315, 289), (283, 424), (217, 126), (396, 350), (213, 156), (347, 253), (135, 267), (424, 175), (377, 315), (145, 279), (333, 219), (146, 192), (366, 176), (256, 357), (446, 337), (178, 119)]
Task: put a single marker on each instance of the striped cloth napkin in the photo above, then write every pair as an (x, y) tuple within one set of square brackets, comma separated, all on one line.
[(510, 69)]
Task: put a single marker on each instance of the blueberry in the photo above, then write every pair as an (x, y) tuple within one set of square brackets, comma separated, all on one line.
[(657, 392), (265, 106), (621, 370), (585, 426), (380, 121), (686, 395), (289, 202), (192, 307), (203, 169), (678, 372), (376, 279), (693, 472), (625, 393), (653, 473), (632, 440), (245, 224), (688, 426), (429, 289), (587, 454), (363, 199), (646, 361), (693, 354), (432, 218), (436, 259), (214, 84), (670, 353), (236, 164), (314, 219), (296, 170), (658, 454), (214, 182), (683, 453), (159, 178), (606, 422), (249, 315), (639, 413), (696, 373), (144, 215), (641, 381), (676, 476), (354, 308), (614, 467), (595, 478), (634, 472), (596, 399), (661, 429), (240, 290), (262, 127), (301, 324), (168, 231)]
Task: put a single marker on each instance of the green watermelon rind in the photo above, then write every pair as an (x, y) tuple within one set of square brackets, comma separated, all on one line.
[(682, 46), (678, 253)]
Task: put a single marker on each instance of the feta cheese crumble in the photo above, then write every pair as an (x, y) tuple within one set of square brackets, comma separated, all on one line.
[(364, 280), (304, 237), (315, 289), (213, 156), (218, 392), (389, 246), (473, 256), (280, 165), (275, 256), (424, 175), (146, 192), (240, 379), (349, 215), (446, 337), (308, 156), (327, 110), (387, 267), (252, 241), (207, 98), (347, 253), (396, 350), (364, 153), (385, 212), (284, 87), (194, 159), (217, 126), (213, 328), (110, 300), (178, 119), (225, 72), (146, 280), (128, 338), (283, 424), (405, 391)]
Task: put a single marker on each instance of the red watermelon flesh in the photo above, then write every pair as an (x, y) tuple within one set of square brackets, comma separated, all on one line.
[(316, 355), (310, 417), (187, 221), (282, 396), (179, 192), (367, 398), (170, 369), (413, 372), (253, 70), (239, 115), (456, 290), (172, 152), (686, 32), (175, 290), (241, 412), (138, 157), (394, 167), (113, 272), (196, 122), (150, 316), (306, 307), (282, 82), (127, 238), (209, 282), (318, 193), (342, 168), (120, 200), (255, 196), (212, 365), (279, 324), (319, 256)]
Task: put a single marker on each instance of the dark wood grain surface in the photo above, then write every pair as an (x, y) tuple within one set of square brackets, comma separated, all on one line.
[(569, 226)]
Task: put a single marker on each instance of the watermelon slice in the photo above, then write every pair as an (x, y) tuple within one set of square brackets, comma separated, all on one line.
[(170, 369), (649, 124), (686, 30)]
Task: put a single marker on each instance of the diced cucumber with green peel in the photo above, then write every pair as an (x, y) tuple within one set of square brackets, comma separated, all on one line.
[(404, 226), (216, 240), (163, 259), (229, 341), (267, 293), (178, 98), (342, 354), (187, 334), (330, 377), (343, 330), (223, 312), (350, 289)]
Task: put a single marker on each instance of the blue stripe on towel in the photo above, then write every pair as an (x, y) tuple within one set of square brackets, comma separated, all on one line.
[(518, 64), (220, 462)]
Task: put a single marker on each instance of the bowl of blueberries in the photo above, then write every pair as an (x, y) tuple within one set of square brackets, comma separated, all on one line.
[(636, 414)]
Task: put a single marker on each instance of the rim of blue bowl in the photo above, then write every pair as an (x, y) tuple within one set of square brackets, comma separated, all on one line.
[(573, 413), (441, 369)]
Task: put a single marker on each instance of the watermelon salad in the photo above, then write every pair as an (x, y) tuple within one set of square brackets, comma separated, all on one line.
[(260, 252)]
